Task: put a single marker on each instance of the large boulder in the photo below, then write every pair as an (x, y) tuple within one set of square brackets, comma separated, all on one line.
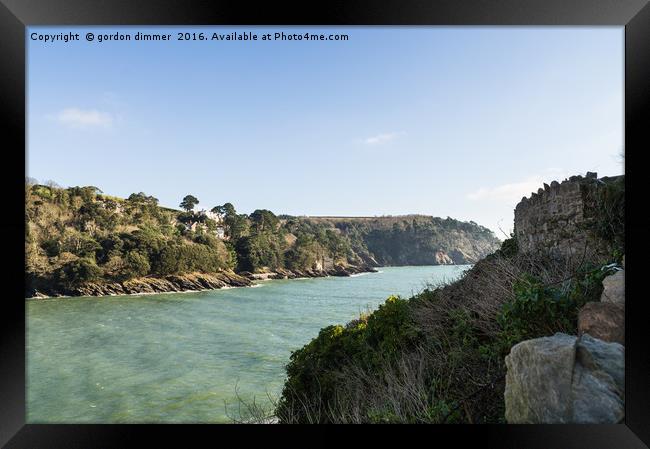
[(538, 380), (598, 382), (565, 379), (614, 288), (603, 320)]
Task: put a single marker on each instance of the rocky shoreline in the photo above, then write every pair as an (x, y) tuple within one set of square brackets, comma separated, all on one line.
[(192, 282)]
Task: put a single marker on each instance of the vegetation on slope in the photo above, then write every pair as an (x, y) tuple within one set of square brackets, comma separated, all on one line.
[(79, 235), (438, 357), (415, 239)]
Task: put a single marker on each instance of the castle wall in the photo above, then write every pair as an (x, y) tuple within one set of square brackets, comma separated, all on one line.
[(556, 217)]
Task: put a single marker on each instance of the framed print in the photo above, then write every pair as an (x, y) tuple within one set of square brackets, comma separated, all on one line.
[(352, 213)]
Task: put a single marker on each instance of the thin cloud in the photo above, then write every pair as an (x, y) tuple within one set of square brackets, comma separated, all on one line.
[(83, 118), (380, 138), (514, 191)]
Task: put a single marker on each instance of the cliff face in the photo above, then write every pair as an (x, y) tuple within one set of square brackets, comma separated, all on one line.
[(414, 239)]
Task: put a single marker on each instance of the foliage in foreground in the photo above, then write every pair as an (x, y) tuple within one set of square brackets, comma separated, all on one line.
[(438, 356)]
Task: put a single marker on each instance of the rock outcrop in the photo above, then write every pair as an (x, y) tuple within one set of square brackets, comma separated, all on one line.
[(337, 270), (565, 379), (614, 288), (442, 258), (191, 282), (149, 285), (411, 239), (603, 320)]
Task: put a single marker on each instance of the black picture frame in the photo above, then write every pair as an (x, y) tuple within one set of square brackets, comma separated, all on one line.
[(16, 15)]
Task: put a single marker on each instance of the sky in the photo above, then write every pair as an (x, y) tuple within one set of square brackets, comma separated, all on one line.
[(443, 121)]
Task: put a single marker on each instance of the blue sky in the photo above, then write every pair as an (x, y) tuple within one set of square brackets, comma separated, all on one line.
[(458, 122)]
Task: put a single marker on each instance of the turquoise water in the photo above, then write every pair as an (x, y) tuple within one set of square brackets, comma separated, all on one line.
[(185, 357)]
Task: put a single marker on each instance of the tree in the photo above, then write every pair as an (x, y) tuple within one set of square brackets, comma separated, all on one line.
[(305, 254), (229, 209), (77, 272), (141, 203), (78, 243), (220, 211), (189, 202), (258, 251), (136, 264), (235, 225), (143, 198), (264, 220)]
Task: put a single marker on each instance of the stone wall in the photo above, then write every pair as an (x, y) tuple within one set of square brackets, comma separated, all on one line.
[(557, 217)]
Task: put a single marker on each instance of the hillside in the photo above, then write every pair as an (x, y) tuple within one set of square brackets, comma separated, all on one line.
[(532, 333), (415, 239), (80, 241)]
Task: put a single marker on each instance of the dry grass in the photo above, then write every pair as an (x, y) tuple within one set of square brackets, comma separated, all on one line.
[(445, 378), (488, 285), (252, 412)]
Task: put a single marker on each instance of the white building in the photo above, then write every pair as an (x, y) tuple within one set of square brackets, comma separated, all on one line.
[(195, 225), (211, 215)]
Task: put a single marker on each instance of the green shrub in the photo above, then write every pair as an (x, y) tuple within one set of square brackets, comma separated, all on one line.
[(259, 250), (390, 328), (179, 258), (541, 310), (306, 252), (78, 272), (313, 372), (52, 247), (79, 244), (397, 365), (136, 264)]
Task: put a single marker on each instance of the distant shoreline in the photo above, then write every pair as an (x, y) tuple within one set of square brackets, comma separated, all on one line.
[(200, 281), (252, 278)]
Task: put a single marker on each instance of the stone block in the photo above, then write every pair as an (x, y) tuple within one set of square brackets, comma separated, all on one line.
[(603, 320)]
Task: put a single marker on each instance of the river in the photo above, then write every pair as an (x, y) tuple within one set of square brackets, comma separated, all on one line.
[(186, 357)]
